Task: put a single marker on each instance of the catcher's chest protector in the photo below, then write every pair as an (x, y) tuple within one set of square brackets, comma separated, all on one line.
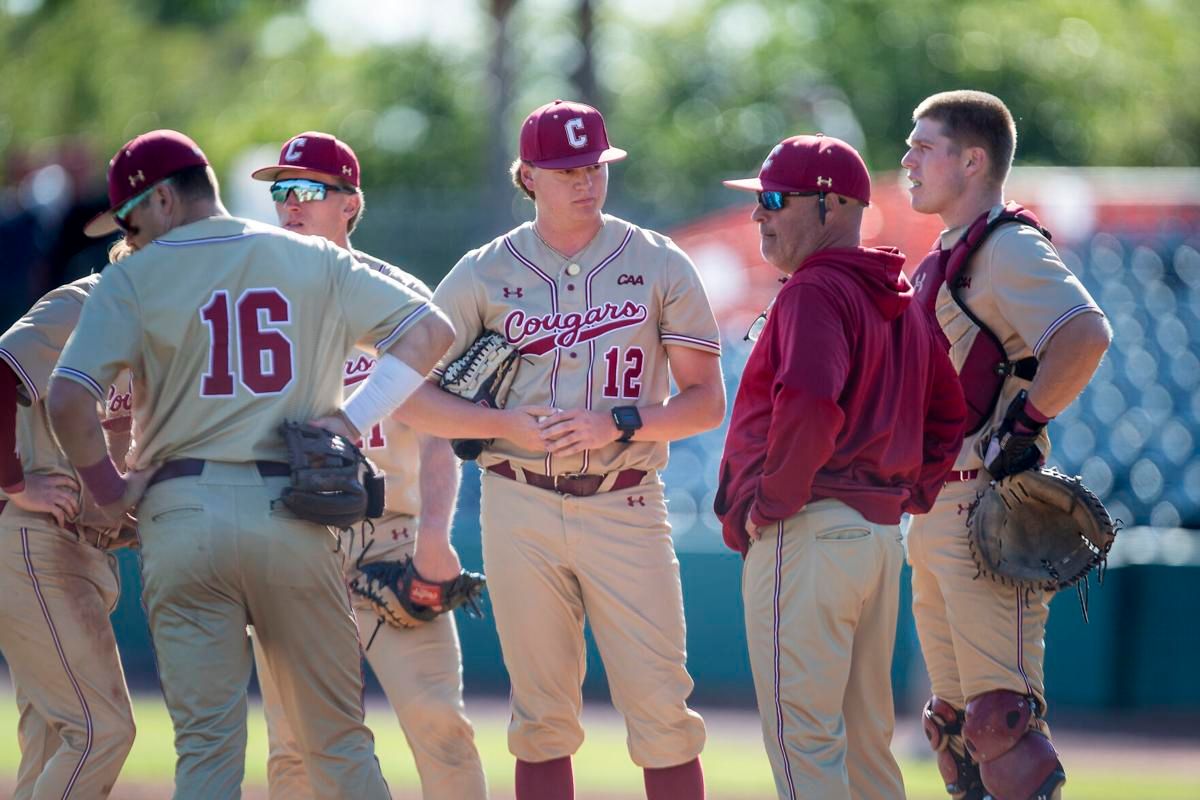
[(987, 365)]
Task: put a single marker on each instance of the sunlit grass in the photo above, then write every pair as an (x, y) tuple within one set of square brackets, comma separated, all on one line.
[(734, 763)]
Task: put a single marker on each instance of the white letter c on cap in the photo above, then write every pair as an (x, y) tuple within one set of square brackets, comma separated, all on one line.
[(293, 152), (575, 137)]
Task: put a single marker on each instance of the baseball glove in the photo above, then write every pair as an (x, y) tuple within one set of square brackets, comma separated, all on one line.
[(333, 483), (1040, 529), (403, 599), (483, 375)]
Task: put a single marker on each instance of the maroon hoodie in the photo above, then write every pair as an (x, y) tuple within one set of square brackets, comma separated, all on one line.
[(847, 394)]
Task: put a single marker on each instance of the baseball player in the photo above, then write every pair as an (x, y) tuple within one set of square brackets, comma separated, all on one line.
[(231, 328), (59, 581), (848, 414), (316, 190), (984, 642), (574, 521)]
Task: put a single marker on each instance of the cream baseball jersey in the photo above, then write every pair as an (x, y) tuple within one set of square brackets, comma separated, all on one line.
[(591, 328), (1019, 287), (32, 347), (392, 445), (230, 327)]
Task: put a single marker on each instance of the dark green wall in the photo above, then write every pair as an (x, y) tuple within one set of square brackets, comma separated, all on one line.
[(1140, 650)]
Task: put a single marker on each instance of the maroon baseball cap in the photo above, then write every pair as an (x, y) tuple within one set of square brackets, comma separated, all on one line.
[(141, 163), (322, 154), (565, 135), (811, 164)]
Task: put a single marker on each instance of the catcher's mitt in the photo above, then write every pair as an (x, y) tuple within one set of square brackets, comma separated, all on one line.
[(403, 599), (1041, 529), (332, 482), (482, 375)]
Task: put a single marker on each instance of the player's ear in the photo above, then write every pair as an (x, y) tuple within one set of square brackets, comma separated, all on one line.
[(166, 196), (353, 204), (975, 160), (527, 176)]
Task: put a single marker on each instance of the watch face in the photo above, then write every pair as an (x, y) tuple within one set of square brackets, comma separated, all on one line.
[(627, 417)]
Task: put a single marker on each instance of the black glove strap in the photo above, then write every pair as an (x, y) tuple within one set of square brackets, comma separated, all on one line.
[(1017, 414)]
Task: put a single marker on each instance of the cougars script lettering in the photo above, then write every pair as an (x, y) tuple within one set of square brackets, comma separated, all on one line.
[(357, 369), (568, 330)]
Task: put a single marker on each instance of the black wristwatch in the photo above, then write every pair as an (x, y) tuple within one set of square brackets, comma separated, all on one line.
[(628, 421)]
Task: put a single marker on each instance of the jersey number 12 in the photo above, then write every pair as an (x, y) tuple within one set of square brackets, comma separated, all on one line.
[(264, 354), (625, 383)]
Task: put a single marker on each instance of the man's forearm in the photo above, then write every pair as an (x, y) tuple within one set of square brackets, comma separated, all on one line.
[(438, 487), (438, 413), (1068, 362), (693, 410), (12, 477), (76, 422)]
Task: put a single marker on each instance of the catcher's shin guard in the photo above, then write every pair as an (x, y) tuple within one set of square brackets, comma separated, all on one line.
[(1016, 761), (943, 728)]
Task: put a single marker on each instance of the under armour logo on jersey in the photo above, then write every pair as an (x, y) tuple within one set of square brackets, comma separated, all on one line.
[(640, 500), (517, 292), (136, 177), (826, 182), (575, 137), (630, 280), (919, 282), (293, 151), (396, 534), (963, 509)]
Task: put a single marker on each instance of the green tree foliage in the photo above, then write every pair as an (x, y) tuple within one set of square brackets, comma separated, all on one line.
[(233, 73), (703, 93), (696, 90)]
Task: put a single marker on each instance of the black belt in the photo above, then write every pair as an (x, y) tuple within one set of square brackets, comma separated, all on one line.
[(190, 467)]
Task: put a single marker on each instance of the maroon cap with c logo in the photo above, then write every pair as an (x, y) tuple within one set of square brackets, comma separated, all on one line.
[(565, 135), (312, 151)]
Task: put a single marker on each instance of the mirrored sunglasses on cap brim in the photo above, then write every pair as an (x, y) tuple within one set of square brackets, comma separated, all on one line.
[(773, 201), (304, 190)]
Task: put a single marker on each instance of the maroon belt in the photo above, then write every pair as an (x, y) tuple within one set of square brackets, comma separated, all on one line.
[(578, 485), (190, 467), (962, 475)]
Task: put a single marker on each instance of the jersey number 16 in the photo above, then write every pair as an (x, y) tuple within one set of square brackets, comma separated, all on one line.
[(264, 354)]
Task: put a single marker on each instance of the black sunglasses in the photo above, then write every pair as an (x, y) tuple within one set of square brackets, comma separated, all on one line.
[(304, 189), (121, 214), (773, 201)]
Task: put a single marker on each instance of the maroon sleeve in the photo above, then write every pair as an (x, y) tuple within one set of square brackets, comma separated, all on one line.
[(813, 354), (945, 419), (12, 478)]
